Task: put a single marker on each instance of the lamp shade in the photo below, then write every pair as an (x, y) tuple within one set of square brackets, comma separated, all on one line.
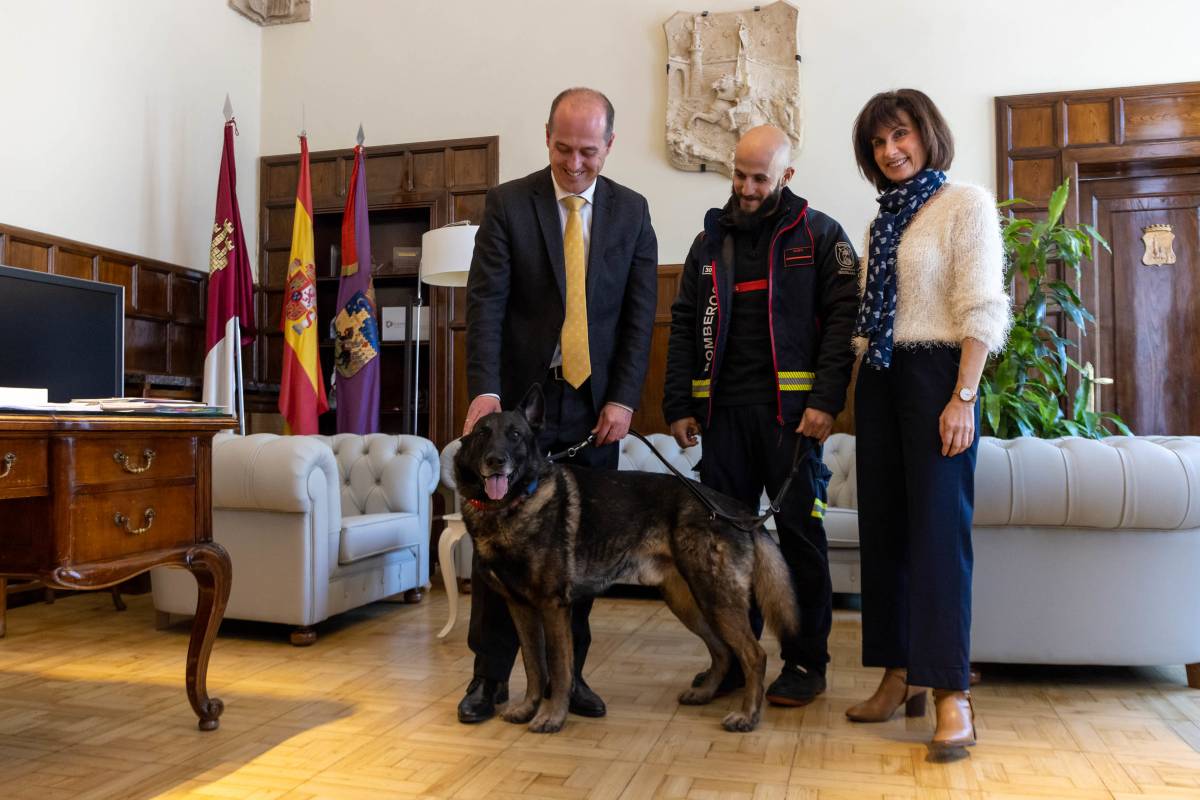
[(446, 255)]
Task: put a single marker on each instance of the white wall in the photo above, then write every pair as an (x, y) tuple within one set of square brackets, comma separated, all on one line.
[(111, 125), (434, 69)]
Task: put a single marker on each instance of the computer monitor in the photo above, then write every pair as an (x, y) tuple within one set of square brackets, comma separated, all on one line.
[(62, 334)]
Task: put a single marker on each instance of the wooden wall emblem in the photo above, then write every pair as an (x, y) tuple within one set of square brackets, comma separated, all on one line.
[(1158, 240)]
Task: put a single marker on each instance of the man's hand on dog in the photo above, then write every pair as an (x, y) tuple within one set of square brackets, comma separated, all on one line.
[(612, 425), (816, 424), (480, 407), (685, 431)]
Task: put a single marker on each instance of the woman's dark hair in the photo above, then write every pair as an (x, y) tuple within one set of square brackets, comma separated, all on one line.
[(884, 110)]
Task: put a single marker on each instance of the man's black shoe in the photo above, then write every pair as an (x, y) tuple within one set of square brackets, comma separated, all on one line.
[(584, 701), (733, 680), (481, 699), (796, 686)]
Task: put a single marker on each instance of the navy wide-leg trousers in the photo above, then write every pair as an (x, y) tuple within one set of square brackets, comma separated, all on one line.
[(914, 520)]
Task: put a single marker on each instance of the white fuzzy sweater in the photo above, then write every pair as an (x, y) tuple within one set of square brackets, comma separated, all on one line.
[(950, 273)]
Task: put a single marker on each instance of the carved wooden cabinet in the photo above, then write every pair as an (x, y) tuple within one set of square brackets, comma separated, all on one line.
[(411, 188)]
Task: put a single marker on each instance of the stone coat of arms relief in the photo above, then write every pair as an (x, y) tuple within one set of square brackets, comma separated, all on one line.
[(727, 73)]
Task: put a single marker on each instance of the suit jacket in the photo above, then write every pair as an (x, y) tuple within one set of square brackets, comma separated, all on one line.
[(517, 287)]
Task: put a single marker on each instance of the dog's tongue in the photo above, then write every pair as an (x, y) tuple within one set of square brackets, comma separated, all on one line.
[(496, 486)]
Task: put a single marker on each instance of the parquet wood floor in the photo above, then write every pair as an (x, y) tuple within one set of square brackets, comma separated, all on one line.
[(92, 706)]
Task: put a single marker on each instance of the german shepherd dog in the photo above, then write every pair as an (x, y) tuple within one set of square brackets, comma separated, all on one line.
[(547, 534)]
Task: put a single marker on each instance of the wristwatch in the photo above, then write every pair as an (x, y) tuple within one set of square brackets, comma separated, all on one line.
[(967, 394)]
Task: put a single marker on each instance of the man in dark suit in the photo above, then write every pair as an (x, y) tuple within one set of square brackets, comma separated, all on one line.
[(562, 292)]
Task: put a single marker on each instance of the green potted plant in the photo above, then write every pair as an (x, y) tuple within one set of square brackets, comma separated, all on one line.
[(1024, 388)]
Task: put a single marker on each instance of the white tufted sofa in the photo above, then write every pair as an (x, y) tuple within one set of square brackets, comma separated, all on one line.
[(314, 525), (1088, 552)]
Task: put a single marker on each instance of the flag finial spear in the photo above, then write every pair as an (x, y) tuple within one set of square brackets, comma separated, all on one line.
[(361, 136), (228, 108), (303, 127)]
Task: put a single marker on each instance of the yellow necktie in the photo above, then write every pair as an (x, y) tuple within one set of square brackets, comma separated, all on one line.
[(576, 360)]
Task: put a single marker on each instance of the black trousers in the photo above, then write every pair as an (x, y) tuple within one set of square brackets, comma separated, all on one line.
[(914, 520), (747, 450), (570, 417)]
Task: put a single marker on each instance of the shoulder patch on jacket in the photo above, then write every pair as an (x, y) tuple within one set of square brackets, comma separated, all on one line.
[(845, 258)]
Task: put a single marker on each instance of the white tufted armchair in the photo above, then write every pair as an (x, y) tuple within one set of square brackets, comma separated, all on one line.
[(315, 525)]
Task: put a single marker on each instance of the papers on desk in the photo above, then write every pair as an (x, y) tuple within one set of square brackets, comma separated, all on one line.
[(127, 405), (50, 408)]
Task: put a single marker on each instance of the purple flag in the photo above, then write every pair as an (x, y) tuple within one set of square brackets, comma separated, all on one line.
[(356, 348)]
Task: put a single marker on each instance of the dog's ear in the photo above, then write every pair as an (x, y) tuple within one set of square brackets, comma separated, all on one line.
[(533, 406)]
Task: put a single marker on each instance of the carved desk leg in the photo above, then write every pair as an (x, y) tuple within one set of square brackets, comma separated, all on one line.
[(210, 565)]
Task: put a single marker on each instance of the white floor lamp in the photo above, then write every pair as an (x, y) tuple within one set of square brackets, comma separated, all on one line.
[(445, 261)]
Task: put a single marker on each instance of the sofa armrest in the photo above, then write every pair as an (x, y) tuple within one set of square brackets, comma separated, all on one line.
[(266, 472)]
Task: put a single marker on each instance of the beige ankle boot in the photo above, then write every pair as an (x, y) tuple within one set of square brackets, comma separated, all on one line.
[(955, 713), (892, 693)]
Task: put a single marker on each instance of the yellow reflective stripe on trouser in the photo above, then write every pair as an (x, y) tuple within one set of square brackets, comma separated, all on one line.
[(796, 381), (818, 510), (700, 388)]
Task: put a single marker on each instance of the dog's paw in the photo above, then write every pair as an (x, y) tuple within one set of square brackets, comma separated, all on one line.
[(739, 722), (545, 723), (695, 697), (519, 714)]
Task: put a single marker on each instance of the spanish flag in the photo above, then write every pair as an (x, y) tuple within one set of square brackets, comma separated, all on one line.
[(301, 390)]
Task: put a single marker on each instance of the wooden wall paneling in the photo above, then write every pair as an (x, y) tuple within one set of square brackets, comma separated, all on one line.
[(280, 182), (164, 305), (74, 264), (146, 345), (187, 351), (1034, 127), (27, 254), (1035, 179), (153, 295), (329, 179), (469, 167), (649, 416), (428, 169), (120, 272), (1091, 122), (188, 294), (386, 177), (1167, 117), (278, 231), (276, 267)]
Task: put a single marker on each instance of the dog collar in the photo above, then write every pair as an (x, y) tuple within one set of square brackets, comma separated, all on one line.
[(483, 505)]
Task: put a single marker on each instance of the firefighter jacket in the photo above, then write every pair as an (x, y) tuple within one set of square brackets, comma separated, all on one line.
[(812, 286)]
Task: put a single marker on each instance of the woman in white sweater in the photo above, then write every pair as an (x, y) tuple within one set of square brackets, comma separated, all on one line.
[(933, 307)]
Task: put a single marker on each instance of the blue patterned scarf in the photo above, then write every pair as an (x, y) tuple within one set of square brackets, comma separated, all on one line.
[(877, 314)]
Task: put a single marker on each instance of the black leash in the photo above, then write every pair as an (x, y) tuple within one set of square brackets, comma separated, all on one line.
[(741, 522), (571, 451)]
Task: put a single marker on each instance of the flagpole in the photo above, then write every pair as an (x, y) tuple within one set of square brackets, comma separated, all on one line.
[(239, 400)]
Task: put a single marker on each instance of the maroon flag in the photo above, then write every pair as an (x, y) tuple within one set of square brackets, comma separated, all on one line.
[(230, 289)]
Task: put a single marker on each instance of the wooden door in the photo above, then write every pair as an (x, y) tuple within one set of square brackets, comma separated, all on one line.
[(1148, 312)]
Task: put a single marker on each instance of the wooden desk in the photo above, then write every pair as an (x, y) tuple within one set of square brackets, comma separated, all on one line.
[(88, 501)]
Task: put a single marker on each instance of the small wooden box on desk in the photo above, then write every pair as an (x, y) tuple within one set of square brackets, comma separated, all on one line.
[(91, 500)]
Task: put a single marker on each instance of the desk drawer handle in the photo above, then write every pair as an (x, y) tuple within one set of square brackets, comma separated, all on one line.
[(9, 460), (127, 464), (122, 521)]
